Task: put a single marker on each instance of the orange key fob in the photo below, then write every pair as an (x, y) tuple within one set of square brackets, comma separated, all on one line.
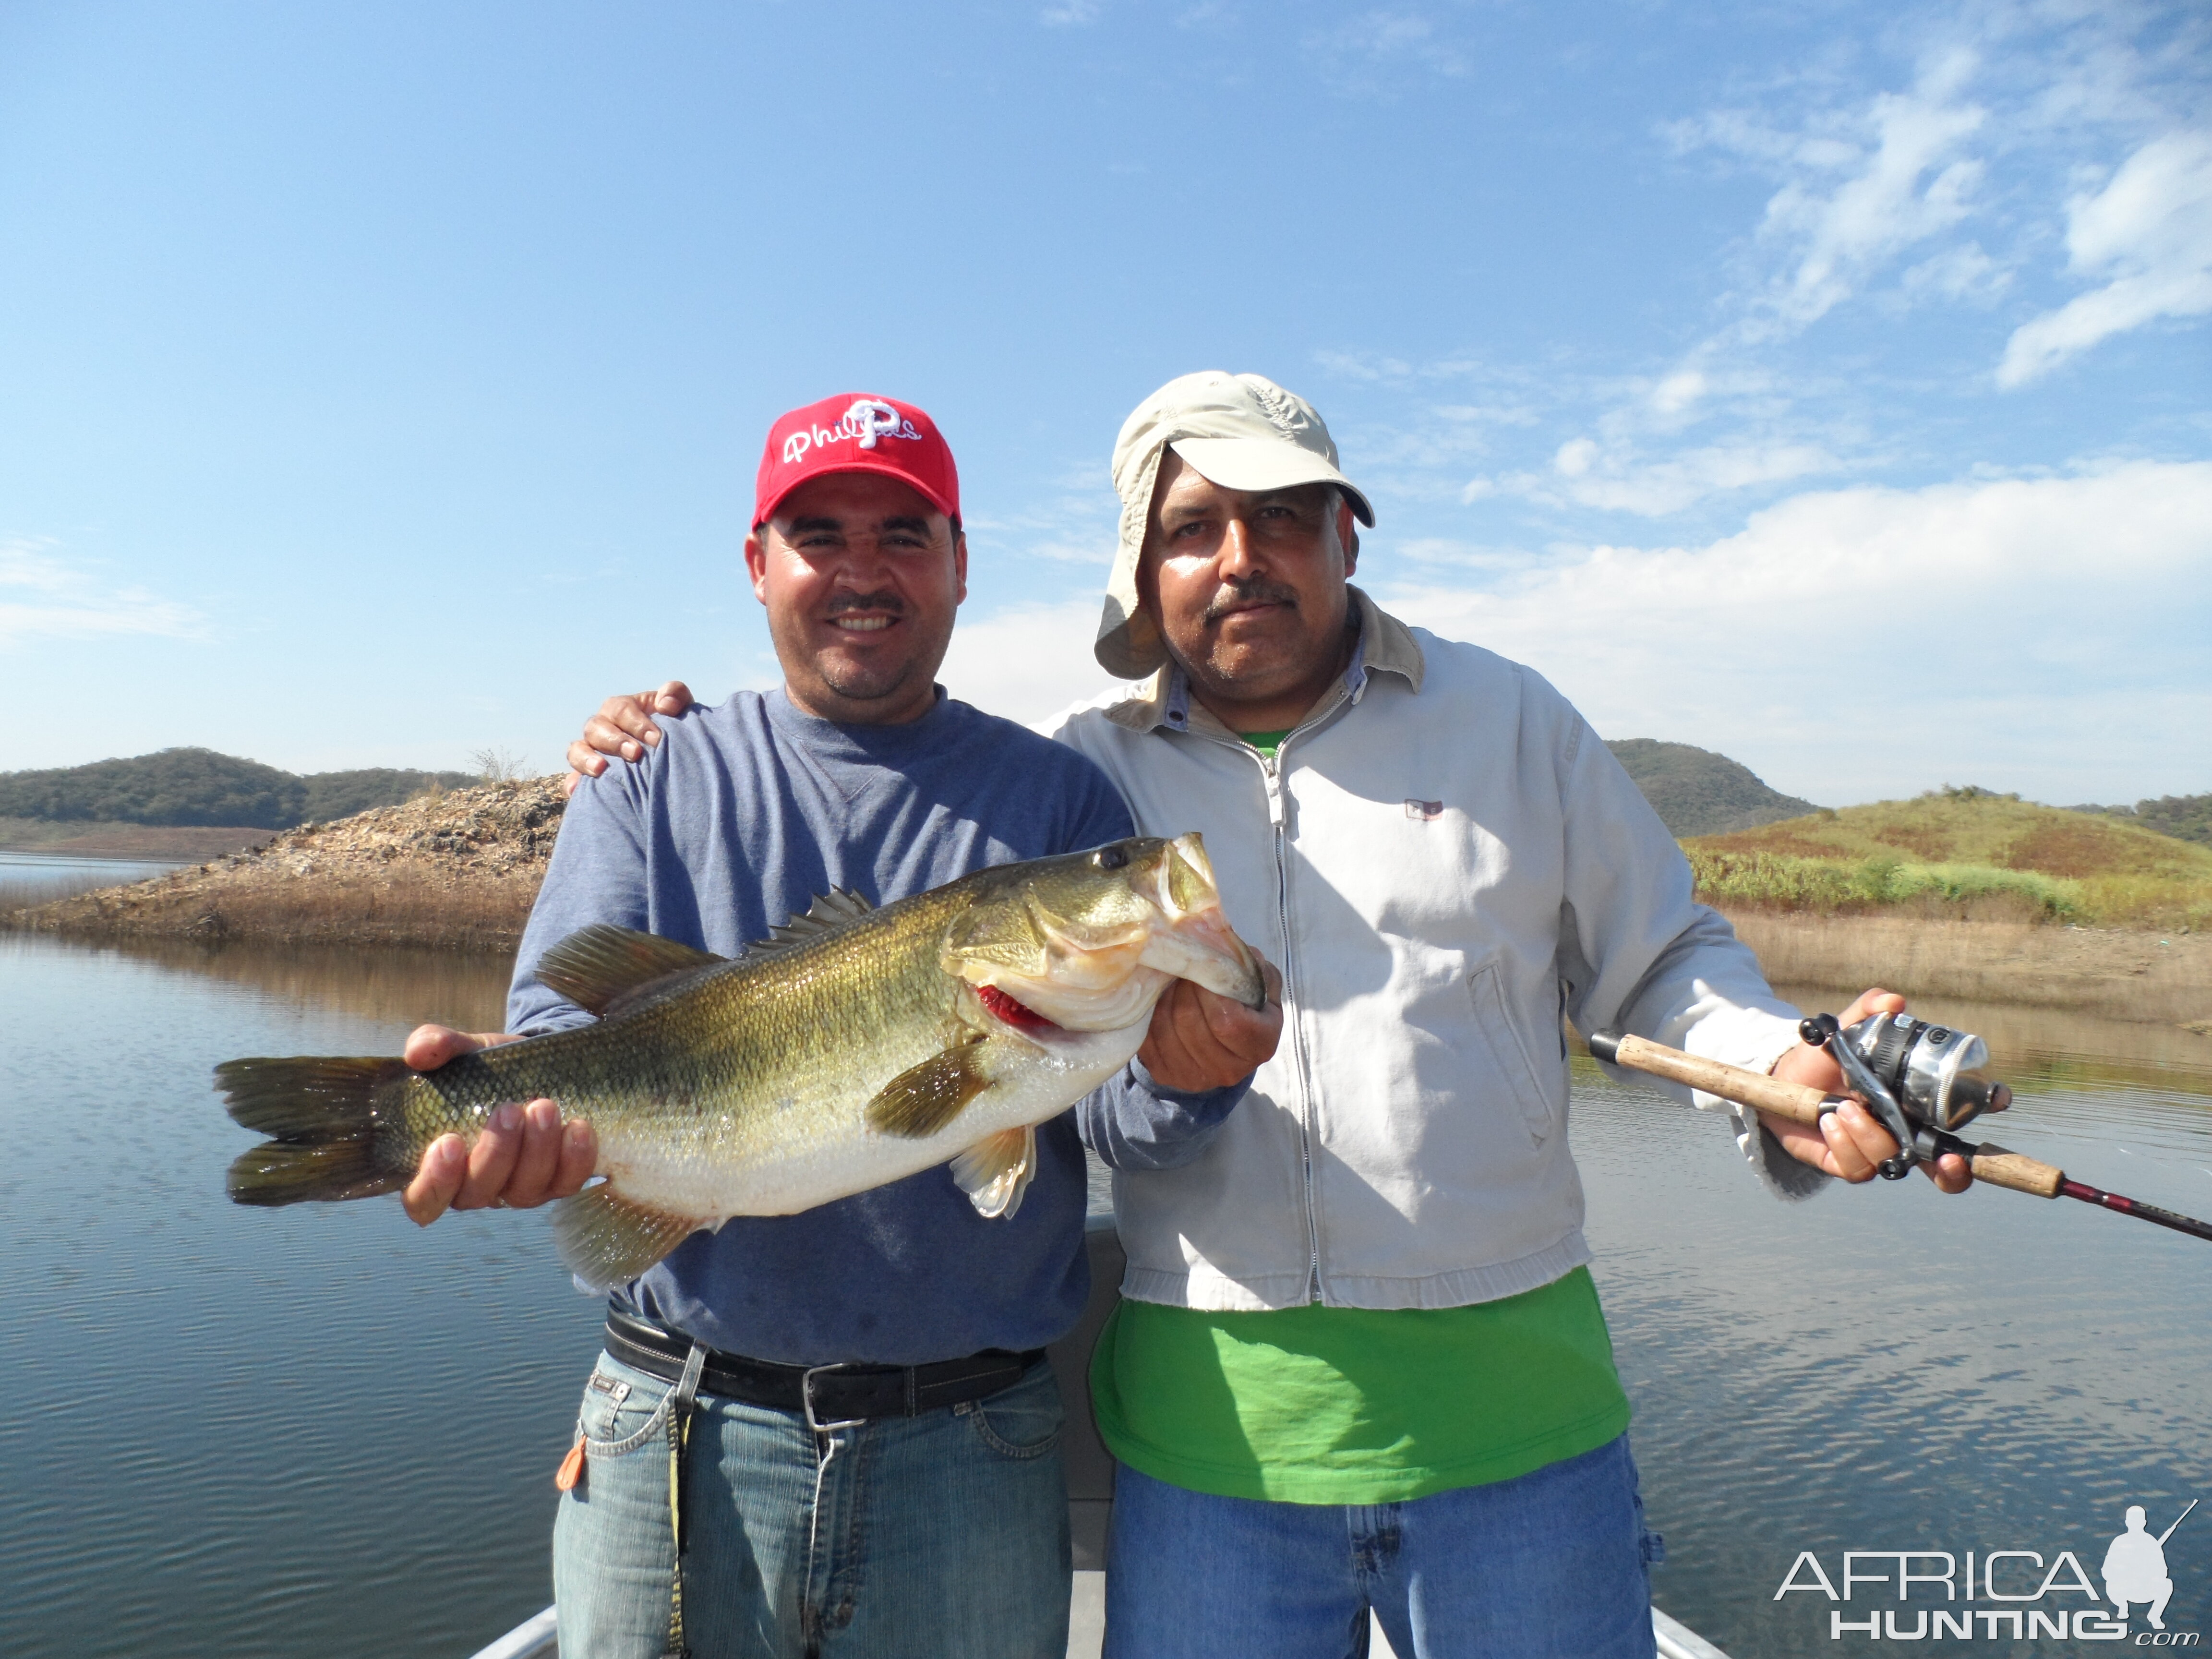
[(572, 1468)]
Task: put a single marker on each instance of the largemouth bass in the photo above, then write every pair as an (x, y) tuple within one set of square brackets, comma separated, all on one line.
[(855, 1048)]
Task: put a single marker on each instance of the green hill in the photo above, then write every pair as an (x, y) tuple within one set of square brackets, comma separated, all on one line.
[(199, 786), (1698, 792), (2185, 818), (342, 794), (1961, 851)]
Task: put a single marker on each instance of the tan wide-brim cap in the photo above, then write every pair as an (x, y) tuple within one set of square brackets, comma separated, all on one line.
[(1239, 431)]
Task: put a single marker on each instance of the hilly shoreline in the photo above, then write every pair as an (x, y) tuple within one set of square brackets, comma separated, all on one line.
[(458, 871)]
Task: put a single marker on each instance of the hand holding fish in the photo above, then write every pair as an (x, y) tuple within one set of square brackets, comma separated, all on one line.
[(1200, 1039), (523, 1157), (1849, 1143)]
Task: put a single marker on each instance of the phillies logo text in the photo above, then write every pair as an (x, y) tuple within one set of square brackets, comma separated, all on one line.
[(869, 419)]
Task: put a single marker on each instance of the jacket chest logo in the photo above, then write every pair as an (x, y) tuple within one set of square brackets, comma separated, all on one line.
[(1425, 811)]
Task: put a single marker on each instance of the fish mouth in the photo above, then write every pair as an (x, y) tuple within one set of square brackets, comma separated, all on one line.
[(1104, 970), (1197, 943)]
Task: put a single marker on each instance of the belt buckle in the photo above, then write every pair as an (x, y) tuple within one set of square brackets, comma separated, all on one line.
[(806, 1401)]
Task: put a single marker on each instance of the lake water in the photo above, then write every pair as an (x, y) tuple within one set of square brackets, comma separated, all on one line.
[(35, 878), (321, 1432)]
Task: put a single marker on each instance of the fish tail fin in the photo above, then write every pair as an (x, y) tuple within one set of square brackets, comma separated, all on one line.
[(332, 1135), (607, 1241)]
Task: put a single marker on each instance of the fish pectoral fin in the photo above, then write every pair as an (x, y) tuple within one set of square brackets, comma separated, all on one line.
[(605, 1240), (922, 1099), (995, 1171), (597, 967)]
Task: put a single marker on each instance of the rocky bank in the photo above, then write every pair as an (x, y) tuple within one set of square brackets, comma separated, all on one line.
[(455, 871)]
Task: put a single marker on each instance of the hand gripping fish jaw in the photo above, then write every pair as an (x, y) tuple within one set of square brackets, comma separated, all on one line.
[(1921, 1081)]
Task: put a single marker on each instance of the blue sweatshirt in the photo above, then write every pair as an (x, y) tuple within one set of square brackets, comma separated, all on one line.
[(740, 816)]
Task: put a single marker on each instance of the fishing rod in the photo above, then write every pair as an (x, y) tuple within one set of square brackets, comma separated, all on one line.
[(1922, 1082)]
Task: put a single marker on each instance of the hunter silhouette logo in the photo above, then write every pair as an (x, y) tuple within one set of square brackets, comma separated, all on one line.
[(2134, 1566)]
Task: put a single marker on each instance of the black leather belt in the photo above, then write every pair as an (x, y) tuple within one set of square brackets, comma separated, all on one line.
[(828, 1395)]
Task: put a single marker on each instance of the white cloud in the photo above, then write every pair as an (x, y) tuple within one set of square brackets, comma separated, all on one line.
[(1858, 187), (64, 603), (1678, 391), (1619, 480), (2149, 233), (2042, 633), (1958, 273), (1028, 661), (1072, 14)]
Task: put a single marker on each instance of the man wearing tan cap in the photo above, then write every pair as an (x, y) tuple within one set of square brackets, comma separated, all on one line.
[(1360, 1364)]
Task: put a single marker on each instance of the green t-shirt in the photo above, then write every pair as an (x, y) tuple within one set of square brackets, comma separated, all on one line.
[(1267, 742), (1320, 1405)]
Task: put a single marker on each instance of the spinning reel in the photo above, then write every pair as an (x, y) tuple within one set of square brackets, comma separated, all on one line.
[(1921, 1081)]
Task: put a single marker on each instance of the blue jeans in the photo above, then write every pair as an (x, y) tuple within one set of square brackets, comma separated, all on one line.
[(902, 1537), (1551, 1565)]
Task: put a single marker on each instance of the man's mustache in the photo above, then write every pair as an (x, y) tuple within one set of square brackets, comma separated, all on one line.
[(1251, 590), (887, 602)]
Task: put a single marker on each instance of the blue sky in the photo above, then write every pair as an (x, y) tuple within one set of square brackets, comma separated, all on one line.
[(1826, 386)]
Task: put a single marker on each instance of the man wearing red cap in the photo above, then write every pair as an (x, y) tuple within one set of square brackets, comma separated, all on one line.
[(831, 1432)]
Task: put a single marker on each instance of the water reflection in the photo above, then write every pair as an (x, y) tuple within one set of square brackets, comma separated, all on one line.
[(306, 1431), (1882, 1368), (389, 986), (319, 1430)]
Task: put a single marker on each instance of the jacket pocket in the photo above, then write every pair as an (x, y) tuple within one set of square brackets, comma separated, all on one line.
[(1509, 1054)]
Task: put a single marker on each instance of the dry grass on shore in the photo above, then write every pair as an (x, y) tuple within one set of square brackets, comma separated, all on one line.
[(2120, 973), (401, 906)]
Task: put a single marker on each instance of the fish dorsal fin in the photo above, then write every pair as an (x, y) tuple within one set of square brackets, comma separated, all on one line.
[(995, 1172), (838, 908), (602, 968), (922, 1099), (607, 1241)]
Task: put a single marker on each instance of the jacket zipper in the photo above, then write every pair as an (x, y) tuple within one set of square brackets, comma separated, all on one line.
[(1278, 819)]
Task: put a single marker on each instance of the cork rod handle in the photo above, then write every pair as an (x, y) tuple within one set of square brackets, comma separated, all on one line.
[(1800, 1104), (2021, 1173), (1797, 1102)]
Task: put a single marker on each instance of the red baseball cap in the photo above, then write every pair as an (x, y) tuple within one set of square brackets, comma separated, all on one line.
[(856, 432)]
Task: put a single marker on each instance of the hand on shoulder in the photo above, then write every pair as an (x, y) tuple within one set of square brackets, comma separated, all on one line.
[(624, 730)]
